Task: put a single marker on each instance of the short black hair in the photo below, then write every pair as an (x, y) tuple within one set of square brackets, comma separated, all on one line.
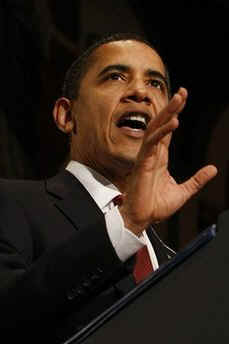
[(80, 66)]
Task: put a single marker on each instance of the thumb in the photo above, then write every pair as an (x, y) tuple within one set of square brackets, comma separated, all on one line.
[(198, 180)]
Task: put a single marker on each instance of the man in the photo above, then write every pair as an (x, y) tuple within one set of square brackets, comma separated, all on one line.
[(66, 247)]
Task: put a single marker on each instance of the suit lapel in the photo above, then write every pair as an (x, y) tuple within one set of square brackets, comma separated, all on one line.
[(73, 200)]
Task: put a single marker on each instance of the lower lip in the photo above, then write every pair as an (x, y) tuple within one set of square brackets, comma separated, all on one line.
[(137, 133)]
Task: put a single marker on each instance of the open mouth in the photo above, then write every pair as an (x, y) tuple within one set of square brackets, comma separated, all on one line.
[(134, 120)]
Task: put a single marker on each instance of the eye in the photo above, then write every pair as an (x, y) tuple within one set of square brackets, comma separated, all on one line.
[(157, 84), (115, 76)]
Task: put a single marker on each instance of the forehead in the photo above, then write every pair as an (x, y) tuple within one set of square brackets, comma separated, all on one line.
[(137, 55)]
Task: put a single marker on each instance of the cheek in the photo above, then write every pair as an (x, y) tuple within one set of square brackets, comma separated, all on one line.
[(98, 110), (105, 112)]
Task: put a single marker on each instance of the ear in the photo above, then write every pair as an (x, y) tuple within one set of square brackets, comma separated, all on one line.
[(62, 114)]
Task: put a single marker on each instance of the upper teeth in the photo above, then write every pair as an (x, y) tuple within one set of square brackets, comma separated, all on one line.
[(137, 118)]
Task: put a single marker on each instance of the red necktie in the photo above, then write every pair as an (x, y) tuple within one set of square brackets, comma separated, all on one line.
[(143, 266)]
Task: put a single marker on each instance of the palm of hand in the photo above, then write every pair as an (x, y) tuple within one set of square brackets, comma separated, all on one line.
[(152, 194)]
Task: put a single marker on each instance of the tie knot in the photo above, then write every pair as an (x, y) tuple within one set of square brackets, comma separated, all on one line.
[(118, 200)]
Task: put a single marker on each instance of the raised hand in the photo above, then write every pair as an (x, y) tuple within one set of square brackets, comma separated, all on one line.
[(152, 194)]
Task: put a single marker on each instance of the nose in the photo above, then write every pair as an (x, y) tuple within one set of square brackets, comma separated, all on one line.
[(137, 92)]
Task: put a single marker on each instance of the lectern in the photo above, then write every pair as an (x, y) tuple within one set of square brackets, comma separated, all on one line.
[(186, 301)]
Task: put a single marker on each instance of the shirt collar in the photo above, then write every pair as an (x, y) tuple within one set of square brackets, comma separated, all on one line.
[(101, 189)]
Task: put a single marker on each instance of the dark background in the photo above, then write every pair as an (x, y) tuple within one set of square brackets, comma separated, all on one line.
[(39, 40)]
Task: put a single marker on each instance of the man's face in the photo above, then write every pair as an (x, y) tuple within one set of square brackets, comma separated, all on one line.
[(122, 91)]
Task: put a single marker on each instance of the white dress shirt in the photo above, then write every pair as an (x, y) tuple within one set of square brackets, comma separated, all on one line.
[(103, 192)]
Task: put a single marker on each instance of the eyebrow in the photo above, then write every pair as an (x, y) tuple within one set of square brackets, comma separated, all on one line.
[(125, 68), (119, 67)]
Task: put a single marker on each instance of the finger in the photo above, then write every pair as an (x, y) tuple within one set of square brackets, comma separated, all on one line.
[(173, 108), (161, 128), (177, 102), (181, 98), (151, 141), (163, 124), (184, 94), (181, 91), (196, 182)]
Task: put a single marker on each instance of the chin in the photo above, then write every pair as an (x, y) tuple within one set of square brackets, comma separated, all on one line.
[(121, 159), (127, 161)]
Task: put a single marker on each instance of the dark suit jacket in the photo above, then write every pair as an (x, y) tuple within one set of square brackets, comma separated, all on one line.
[(58, 268)]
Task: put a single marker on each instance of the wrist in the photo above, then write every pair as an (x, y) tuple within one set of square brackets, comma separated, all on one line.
[(131, 222)]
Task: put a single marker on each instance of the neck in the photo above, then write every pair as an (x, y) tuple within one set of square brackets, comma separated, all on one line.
[(118, 177), (117, 173), (119, 182)]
